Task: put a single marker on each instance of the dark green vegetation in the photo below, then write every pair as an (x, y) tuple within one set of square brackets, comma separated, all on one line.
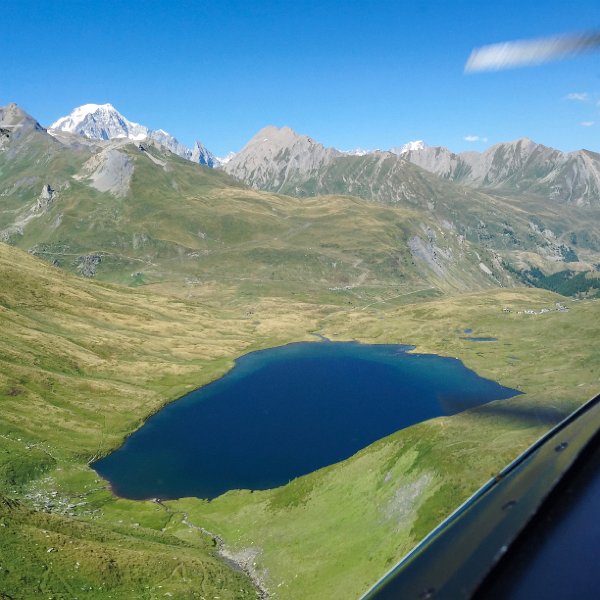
[(567, 283), (215, 270)]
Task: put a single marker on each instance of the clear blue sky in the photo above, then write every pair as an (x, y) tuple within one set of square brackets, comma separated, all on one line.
[(354, 73)]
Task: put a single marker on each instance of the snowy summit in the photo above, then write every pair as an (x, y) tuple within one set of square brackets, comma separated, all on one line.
[(101, 122)]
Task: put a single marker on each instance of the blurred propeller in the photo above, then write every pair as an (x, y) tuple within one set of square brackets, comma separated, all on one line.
[(521, 53)]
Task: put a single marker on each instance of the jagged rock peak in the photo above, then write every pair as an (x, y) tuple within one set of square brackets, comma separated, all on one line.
[(45, 198), (203, 156), (281, 137), (276, 155)]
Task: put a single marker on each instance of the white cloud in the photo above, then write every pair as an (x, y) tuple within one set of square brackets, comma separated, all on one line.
[(587, 123), (578, 96), (475, 138)]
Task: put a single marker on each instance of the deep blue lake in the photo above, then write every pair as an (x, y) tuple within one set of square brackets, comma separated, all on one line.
[(284, 412)]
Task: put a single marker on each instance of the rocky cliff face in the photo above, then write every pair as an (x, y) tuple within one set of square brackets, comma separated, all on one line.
[(45, 198), (15, 122), (279, 159)]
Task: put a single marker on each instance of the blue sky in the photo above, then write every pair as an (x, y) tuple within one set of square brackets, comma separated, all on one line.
[(350, 74)]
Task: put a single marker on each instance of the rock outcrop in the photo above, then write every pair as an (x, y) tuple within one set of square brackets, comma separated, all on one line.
[(45, 198)]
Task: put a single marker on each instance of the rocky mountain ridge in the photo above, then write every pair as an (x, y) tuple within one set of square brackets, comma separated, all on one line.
[(274, 158), (132, 212), (282, 160), (520, 166)]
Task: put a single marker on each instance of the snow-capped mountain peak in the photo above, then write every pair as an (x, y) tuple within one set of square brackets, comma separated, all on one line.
[(105, 122), (409, 147), (399, 150), (223, 160), (100, 121)]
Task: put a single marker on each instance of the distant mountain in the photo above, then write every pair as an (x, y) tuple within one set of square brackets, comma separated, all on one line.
[(100, 122), (375, 220), (521, 166), (281, 160), (15, 122), (202, 156), (509, 199), (105, 122), (223, 160), (275, 158)]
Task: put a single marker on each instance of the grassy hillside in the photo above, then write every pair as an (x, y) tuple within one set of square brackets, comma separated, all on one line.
[(213, 270), (82, 364)]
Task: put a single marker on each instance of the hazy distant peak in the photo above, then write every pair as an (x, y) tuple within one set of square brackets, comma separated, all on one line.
[(223, 160), (14, 117), (276, 135), (413, 146), (12, 114), (356, 152)]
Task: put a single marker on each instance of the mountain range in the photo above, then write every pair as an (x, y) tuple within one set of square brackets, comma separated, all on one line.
[(288, 210), (277, 159), (280, 159)]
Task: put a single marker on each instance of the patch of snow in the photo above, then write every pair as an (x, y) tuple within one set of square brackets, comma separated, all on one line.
[(356, 152)]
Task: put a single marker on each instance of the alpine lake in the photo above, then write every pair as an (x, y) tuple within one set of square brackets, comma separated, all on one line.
[(284, 412)]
